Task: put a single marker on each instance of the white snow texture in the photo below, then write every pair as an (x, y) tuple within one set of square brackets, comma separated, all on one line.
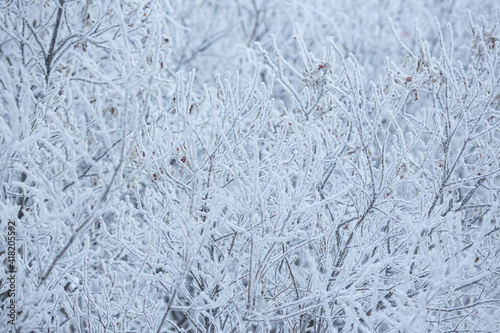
[(250, 165)]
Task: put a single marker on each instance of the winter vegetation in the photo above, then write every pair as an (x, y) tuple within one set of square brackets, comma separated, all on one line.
[(250, 165)]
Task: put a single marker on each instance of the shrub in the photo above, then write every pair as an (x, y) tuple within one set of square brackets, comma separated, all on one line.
[(307, 193)]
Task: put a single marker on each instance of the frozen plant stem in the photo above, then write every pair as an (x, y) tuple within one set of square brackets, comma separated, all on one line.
[(82, 226), (50, 54)]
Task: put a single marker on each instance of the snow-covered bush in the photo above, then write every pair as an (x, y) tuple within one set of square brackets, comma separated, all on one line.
[(323, 184)]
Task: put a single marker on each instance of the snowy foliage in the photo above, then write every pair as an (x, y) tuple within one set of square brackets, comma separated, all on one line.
[(341, 174)]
